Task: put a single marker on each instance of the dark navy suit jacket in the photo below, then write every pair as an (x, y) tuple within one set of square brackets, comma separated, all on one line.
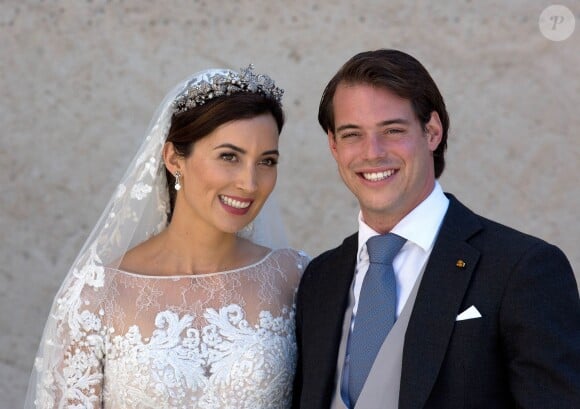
[(524, 352)]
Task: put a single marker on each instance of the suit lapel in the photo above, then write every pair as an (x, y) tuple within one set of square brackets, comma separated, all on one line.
[(327, 300), (443, 286)]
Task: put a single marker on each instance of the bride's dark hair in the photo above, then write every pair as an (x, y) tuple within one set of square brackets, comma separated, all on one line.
[(194, 124)]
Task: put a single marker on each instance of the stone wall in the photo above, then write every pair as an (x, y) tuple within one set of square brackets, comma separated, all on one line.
[(81, 79)]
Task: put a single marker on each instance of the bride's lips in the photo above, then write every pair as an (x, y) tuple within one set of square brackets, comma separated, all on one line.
[(235, 205)]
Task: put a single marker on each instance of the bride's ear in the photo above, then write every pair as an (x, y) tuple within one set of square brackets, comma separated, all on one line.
[(171, 158)]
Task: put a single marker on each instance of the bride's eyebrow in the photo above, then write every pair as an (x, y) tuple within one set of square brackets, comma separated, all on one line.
[(243, 151), (232, 147)]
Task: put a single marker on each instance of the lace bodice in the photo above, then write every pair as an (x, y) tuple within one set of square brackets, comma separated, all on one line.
[(222, 340)]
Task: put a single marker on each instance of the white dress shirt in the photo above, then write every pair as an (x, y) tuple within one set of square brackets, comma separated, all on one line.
[(420, 227)]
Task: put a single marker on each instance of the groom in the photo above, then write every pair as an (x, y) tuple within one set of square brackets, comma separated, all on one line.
[(464, 312)]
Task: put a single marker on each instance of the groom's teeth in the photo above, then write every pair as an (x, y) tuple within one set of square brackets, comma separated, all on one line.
[(234, 203), (376, 176)]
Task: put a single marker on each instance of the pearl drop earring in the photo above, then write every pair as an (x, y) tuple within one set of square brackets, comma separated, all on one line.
[(177, 184)]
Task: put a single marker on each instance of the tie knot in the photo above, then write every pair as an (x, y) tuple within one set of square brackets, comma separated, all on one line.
[(383, 249)]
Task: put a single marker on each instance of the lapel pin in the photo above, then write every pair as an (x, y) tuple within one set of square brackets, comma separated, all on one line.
[(460, 263)]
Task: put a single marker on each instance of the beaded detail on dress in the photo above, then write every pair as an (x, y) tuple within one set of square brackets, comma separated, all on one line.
[(222, 340)]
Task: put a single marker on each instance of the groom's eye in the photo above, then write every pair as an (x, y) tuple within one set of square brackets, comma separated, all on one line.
[(348, 135)]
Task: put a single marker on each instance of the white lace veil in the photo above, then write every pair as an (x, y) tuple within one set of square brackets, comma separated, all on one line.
[(137, 210)]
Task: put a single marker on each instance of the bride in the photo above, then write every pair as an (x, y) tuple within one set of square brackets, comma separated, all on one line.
[(183, 295)]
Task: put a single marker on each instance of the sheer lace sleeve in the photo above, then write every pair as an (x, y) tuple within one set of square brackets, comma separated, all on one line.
[(69, 367)]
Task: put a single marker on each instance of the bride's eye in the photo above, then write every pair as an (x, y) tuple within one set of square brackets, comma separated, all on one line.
[(270, 162), (228, 157)]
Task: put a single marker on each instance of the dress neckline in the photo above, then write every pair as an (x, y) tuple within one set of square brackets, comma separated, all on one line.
[(203, 275)]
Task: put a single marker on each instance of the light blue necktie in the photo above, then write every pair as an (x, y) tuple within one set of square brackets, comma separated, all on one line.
[(376, 311)]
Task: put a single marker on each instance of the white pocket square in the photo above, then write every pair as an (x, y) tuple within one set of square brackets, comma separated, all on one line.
[(469, 314)]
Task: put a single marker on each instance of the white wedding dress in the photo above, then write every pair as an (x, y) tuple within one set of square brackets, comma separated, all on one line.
[(221, 340)]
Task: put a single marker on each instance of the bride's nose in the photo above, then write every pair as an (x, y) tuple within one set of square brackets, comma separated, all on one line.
[(246, 179)]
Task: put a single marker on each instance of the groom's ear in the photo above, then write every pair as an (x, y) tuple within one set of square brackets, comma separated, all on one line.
[(434, 131), (171, 158), (332, 142)]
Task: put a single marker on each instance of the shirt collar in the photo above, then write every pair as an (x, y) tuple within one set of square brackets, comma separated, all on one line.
[(420, 226)]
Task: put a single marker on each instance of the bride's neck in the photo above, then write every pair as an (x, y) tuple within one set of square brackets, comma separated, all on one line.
[(196, 251)]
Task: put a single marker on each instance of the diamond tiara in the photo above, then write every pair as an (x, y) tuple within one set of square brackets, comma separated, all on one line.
[(226, 82)]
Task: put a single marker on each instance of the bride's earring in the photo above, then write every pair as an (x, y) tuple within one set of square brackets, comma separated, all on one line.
[(177, 184)]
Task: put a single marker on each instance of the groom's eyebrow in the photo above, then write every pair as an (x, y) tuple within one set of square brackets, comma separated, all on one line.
[(387, 122), (346, 126), (395, 121)]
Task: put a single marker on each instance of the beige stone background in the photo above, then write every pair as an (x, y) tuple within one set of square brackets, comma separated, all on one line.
[(79, 81)]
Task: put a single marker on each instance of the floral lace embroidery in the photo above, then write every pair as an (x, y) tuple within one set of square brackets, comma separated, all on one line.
[(227, 364), (232, 355)]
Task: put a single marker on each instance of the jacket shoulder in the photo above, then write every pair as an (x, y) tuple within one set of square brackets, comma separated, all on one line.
[(483, 230), (346, 249)]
